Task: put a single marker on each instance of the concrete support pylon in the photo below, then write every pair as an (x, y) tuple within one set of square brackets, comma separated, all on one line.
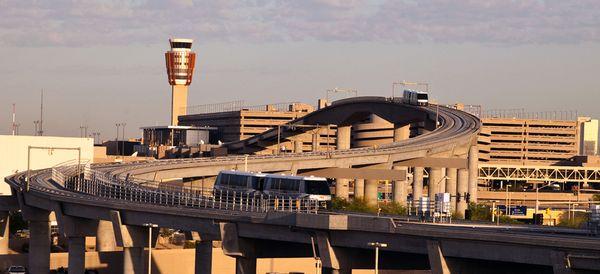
[(76, 255), (343, 135), (4, 231), (442, 184), (435, 179), (359, 188), (245, 265), (342, 188), (298, 146), (133, 260), (401, 132), (417, 184), (451, 174), (133, 239), (436, 258), (473, 172), (316, 140), (400, 188), (462, 188), (105, 237), (203, 259), (39, 245), (371, 191)]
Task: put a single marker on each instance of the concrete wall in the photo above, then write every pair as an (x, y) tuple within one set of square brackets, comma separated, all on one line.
[(168, 261), (13, 153)]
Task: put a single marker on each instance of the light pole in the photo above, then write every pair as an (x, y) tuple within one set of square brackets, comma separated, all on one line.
[(117, 138), (377, 245), (537, 196), (36, 123), (150, 226), (123, 145), (507, 207)]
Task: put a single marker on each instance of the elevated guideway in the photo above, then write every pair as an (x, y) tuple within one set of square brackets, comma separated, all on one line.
[(127, 198)]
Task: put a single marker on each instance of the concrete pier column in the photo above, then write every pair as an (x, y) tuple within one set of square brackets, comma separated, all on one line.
[(315, 141), (401, 132), (371, 191), (4, 231), (39, 246), (342, 188), (359, 188), (417, 184), (203, 260), (342, 140), (462, 188), (473, 172), (298, 146), (133, 260), (451, 173), (105, 236), (400, 187), (435, 179), (442, 184), (245, 265), (436, 258), (76, 255)]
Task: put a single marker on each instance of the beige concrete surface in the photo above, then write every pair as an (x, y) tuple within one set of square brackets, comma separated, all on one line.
[(14, 150)]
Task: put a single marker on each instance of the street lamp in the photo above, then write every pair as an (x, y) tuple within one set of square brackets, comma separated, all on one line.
[(377, 245), (150, 226), (123, 150), (537, 194)]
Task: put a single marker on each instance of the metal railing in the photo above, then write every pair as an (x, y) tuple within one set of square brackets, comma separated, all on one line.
[(83, 179)]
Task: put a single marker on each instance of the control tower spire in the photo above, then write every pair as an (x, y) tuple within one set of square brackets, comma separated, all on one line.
[(180, 62)]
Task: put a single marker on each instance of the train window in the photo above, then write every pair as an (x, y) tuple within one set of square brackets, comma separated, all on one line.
[(258, 183), (317, 187), (238, 181), (422, 96), (289, 185)]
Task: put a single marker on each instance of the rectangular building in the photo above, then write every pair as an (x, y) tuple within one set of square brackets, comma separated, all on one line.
[(529, 141)]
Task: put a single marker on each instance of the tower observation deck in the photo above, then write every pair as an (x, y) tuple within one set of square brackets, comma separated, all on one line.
[(180, 61)]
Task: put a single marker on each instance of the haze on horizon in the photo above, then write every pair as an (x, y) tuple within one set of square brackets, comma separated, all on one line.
[(102, 62)]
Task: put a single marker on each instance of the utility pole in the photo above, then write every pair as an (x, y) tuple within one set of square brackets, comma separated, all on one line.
[(14, 122), (41, 128)]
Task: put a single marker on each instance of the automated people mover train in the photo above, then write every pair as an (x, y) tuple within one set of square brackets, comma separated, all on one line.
[(309, 187), (414, 97)]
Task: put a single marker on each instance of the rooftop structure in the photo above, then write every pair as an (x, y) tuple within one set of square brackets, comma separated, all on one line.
[(180, 61), (235, 122)]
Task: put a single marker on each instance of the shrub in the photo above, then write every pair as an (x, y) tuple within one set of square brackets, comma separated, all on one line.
[(360, 205), (480, 212), (507, 220), (393, 208), (580, 220)]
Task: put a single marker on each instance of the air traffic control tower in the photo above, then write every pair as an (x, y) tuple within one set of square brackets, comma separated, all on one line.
[(180, 68)]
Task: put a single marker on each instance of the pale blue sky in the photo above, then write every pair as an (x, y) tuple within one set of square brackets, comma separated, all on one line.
[(102, 61)]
